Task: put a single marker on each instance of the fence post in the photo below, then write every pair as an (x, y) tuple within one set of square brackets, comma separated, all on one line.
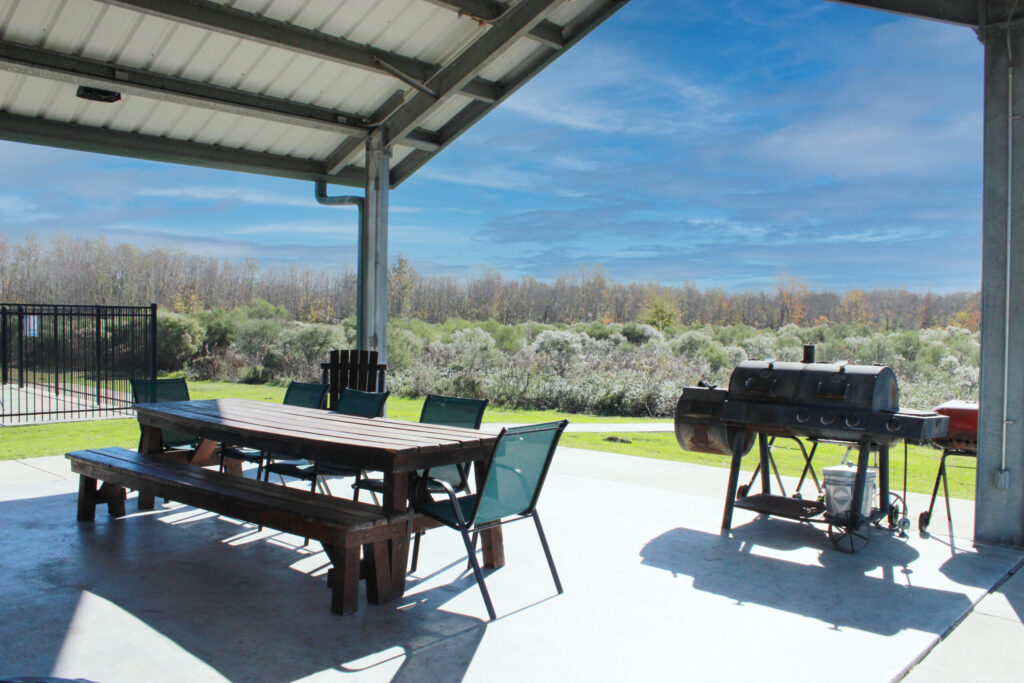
[(21, 347), (99, 353), (152, 342), (56, 355), (4, 347)]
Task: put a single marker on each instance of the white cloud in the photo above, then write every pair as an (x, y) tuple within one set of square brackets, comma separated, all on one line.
[(605, 88), (343, 227), (495, 177), (227, 193), (18, 209)]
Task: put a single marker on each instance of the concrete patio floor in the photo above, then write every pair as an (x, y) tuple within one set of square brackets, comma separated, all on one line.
[(651, 589)]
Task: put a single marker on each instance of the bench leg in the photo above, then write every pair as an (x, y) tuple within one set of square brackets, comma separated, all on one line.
[(114, 496), (378, 572), (147, 501), (86, 498), (384, 567), (343, 578)]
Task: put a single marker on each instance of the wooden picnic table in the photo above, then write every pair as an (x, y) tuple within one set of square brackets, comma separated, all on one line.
[(395, 448)]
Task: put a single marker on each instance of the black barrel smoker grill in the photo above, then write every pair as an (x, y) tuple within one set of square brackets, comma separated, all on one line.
[(855, 405)]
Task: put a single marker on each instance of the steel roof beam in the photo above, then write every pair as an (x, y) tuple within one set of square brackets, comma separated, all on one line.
[(38, 131), (949, 11), (546, 32), (474, 111), (79, 71), (504, 32), (340, 157), (247, 26)]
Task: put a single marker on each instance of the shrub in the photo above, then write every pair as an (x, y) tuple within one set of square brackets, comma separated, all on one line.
[(559, 348), (473, 350), (689, 343), (219, 329), (255, 337), (509, 338), (260, 309), (640, 333), (179, 339), (716, 357), (404, 349), (759, 346)]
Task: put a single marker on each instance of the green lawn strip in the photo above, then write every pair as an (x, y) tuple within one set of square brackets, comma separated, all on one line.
[(922, 464), (401, 408), (33, 441)]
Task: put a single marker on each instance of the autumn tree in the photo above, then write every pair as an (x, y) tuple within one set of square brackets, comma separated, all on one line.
[(401, 282), (660, 312), (791, 296), (853, 308)]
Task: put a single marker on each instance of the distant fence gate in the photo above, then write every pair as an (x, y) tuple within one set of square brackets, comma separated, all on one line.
[(62, 362)]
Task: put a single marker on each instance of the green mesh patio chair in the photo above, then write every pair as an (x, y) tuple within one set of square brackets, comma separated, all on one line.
[(162, 391), (451, 412), (515, 477), (302, 394), (350, 402)]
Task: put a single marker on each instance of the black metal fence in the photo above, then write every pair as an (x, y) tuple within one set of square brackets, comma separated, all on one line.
[(62, 362)]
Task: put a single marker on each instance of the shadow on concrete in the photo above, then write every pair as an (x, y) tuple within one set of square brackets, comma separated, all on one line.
[(872, 590), (960, 568), (249, 610)]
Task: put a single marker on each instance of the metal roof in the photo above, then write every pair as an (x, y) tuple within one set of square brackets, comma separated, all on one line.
[(973, 13), (288, 88)]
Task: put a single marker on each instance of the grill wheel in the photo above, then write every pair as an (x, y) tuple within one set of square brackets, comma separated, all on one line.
[(848, 539)]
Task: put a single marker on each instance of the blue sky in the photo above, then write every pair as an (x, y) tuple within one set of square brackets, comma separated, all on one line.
[(720, 142)]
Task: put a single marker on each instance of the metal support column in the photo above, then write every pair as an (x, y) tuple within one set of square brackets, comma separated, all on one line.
[(999, 514), (372, 297)]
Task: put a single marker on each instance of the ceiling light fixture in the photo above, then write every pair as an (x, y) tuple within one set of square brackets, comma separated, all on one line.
[(97, 94)]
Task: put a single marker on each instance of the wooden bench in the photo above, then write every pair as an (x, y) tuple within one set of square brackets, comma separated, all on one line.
[(341, 526)]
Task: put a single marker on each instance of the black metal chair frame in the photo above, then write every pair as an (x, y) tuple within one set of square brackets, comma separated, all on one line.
[(260, 457), (136, 384), (465, 528), (315, 472)]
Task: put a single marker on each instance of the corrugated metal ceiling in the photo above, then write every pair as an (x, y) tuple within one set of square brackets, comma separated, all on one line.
[(282, 87)]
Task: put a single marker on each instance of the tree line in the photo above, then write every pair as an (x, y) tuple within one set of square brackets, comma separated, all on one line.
[(81, 271)]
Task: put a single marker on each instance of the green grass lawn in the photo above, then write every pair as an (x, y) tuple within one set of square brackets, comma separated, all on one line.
[(33, 441), (922, 463), (56, 439)]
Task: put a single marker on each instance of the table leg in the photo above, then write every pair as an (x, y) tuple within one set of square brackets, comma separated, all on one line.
[(386, 560), (343, 578), (151, 442), (206, 454), (491, 540)]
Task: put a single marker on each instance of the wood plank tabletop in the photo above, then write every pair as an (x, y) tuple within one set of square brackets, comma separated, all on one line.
[(379, 444)]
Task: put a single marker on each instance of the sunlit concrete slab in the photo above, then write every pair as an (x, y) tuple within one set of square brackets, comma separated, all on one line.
[(36, 404), (651, 589), (986, 646), (57, 465), (20, 473)]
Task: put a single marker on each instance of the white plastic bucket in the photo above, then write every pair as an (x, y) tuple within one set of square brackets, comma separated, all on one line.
[(839, 481)]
